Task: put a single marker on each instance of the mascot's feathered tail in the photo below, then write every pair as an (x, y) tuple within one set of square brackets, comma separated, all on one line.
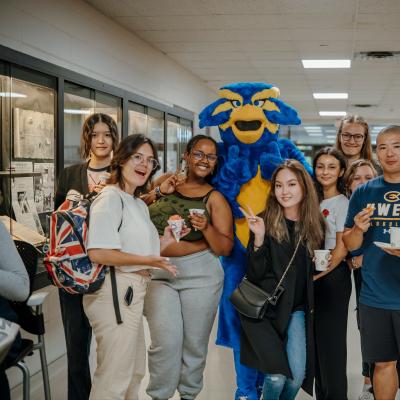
[(248, 116)]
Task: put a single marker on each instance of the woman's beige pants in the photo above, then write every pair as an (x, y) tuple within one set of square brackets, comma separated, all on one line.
[(121, 353)]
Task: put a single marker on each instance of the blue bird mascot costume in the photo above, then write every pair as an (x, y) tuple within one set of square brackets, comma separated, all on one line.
[(248, 116)]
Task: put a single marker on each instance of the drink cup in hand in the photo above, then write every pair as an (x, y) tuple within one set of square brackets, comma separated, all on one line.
[(395, 237), (198, 211), (321, 259)]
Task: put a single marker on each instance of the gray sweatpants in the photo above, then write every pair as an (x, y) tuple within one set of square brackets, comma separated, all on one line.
[(180, 312)]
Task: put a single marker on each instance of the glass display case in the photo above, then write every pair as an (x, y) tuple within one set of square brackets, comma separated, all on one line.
[(150, 122), (42, 111), (27, 176), (179, 132)]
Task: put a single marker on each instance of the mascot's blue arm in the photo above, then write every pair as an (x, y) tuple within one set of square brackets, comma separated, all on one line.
[(289, 150), (233, 171)]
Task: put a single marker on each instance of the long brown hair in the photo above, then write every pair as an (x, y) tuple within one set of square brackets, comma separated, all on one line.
[(330, 151), (87, 130), (310, 225), (351, 171), (125, 150), (366, 149)]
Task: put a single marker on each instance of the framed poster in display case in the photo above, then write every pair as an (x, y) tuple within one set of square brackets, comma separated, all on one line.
[(33, 134)]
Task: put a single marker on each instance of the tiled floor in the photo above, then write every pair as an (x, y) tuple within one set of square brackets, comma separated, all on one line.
[(219, 373)]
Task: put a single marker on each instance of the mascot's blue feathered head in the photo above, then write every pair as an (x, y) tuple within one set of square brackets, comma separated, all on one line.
[(248, 113)]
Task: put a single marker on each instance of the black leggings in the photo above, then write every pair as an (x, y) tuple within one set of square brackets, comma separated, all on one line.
[(357, 285), (332, 295)]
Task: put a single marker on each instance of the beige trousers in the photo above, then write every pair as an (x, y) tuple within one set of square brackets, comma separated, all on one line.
[(121, 353)]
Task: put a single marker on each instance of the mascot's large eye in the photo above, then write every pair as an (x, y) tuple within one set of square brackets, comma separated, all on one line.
[(236, 103), (259, 103)]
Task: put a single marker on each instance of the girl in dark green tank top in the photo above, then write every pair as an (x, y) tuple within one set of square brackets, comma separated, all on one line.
[(185, 305)]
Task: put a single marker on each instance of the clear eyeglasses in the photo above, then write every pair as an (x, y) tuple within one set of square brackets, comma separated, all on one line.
[(358, 138), (139, 158), (199, 155)]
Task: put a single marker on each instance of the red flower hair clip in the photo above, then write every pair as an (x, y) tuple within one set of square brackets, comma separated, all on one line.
[(325, 212)]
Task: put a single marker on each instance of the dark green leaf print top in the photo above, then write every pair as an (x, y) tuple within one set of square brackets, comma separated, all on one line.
[(178, 204)]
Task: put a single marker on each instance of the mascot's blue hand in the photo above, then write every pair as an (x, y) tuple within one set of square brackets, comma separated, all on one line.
[(270, 159)]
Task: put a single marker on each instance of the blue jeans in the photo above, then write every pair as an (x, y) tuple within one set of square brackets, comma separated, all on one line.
[(277, 386)]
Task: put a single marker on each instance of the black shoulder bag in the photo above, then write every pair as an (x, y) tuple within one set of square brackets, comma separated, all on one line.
[(252, 301)]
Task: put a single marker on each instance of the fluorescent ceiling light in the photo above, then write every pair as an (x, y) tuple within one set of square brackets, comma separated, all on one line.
[(331, 95), (75, 111), (312, 128), (330, 131), (326, 63), (12, 94), (332, 113), (315, 134), (377, 128), (331, 136)]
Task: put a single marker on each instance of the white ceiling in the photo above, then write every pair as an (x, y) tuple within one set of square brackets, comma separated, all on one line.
[(224, 41)]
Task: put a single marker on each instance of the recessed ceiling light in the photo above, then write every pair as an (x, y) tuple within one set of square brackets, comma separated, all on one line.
[(76, 111), (312, 128), (326, 63), (377, 128), (12, 94), (331, 95), (332, 113), (315, 134)]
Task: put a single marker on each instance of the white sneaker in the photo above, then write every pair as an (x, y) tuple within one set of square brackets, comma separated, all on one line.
[(367, 395)]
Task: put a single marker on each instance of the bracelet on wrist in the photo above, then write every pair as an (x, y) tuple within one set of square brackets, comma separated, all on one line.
[(158, 192)]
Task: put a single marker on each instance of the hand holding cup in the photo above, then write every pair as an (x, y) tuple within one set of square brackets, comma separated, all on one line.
[(322, 260), (198, 219)]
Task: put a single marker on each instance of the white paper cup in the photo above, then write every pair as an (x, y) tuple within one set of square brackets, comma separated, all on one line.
[(199, 211), (321, 259), (176, 227), (395, 236)]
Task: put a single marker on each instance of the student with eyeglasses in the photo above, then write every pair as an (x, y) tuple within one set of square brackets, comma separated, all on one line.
[(354, 139), (181, 309), (121, 234)]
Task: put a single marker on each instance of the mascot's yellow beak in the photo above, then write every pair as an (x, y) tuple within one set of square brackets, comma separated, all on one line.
[(248, 123)]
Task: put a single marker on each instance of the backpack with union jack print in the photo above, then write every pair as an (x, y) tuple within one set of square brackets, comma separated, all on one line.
[(67, 261)]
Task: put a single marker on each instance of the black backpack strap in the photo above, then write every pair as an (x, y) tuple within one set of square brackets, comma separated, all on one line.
[(114, 280), (115, 295)]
